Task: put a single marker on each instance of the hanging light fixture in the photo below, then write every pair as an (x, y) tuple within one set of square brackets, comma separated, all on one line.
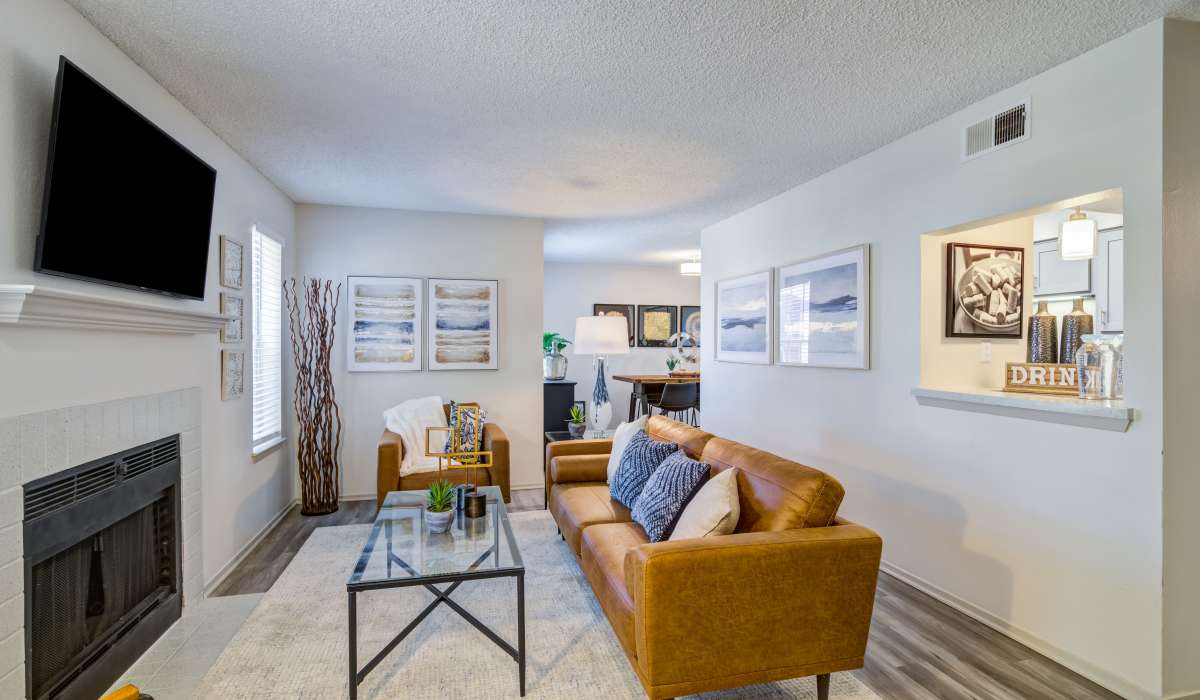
[(1077, 237), (690, 268)]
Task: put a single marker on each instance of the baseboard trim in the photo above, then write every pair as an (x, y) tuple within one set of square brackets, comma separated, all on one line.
[(357, 497), (232, 564), (1185, 695), (1097, 675), (527, 487)]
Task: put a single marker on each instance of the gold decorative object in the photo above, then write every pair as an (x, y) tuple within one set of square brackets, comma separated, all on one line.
[(1043, 336), (462, 456)]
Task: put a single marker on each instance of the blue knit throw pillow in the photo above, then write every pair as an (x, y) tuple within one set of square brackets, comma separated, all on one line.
[(639, 460), (666, 493)]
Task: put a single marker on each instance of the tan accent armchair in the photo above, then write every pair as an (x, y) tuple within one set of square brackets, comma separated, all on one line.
[(790, 593), (391, 452)]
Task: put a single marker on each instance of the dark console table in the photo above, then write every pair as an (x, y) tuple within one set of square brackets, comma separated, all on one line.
[(557, 398)]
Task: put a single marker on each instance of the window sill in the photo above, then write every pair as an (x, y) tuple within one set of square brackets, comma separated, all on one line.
[(1067, 410), (266, 448)]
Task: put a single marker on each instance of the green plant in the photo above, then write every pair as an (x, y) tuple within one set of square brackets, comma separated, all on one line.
[(441, 497), (577, 416), (672, 363), (553, 342)]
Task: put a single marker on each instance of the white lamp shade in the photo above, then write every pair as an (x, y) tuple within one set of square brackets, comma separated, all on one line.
[(1077, 239), (601, 335), (690, 269)]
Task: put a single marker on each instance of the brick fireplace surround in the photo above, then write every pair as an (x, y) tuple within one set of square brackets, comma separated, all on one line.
[(40, 444)]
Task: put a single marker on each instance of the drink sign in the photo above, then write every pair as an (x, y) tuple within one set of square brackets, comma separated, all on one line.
[(1041, 378)]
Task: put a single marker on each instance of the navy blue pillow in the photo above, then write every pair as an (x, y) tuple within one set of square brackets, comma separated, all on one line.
[(639, 460), (666, 493)]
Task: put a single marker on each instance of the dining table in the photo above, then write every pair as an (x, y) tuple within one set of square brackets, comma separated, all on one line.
[(649, 387)]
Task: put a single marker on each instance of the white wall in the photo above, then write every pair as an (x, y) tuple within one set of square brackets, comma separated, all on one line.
[(1052, 532), (572, 288), (335, 242), (42, 369)]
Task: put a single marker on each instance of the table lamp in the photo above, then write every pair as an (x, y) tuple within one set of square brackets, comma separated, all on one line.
[(601, 336)]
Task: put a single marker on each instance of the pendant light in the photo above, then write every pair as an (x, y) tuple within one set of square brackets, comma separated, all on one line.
[(1077, 237), (690, 268)]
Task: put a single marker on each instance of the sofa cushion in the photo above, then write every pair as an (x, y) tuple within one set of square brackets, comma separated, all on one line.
[(692, 440), (603, 563), (579, 506), (666, 493), (775, 493), (712, 511), (639, 460), (620, 440)]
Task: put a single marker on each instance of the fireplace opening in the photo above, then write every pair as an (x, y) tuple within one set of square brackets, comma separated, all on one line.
[(102, 568)]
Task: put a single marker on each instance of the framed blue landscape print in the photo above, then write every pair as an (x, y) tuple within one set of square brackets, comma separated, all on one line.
[(743, 324), (385, 324), (822, 308), (463, 324)]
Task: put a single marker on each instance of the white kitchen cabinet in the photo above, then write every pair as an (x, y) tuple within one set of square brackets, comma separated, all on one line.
[(1053, 275), (1110, 281)]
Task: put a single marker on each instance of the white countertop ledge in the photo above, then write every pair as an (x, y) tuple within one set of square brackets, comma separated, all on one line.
[(1067, 410)]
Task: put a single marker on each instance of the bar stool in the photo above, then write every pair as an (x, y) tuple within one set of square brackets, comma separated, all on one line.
[(679, 399)]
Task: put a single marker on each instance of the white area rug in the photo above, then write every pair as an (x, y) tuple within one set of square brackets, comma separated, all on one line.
[(294, 643)]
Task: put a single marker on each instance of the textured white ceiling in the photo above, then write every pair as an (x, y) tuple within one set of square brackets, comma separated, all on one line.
[(628, 125)]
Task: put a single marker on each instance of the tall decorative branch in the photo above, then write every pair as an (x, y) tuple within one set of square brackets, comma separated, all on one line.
[(312, 307)]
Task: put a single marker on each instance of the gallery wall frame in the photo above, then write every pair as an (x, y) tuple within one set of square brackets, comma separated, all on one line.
[(690, 322), (386, 323), (973, 272), (742, 323), (464, 324), (656, 323), (822, 310)]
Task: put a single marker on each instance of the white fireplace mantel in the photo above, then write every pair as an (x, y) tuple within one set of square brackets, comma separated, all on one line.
[(36, 305)]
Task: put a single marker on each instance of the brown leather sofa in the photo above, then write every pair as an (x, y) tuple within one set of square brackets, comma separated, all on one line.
[(391, 451), (788, 594)]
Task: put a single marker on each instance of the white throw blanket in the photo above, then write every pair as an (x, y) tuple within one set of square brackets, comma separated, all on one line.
[(409, 420)]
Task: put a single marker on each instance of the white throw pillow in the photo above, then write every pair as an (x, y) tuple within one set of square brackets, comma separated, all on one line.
[(714, 510), (621, 437), (409, 420)]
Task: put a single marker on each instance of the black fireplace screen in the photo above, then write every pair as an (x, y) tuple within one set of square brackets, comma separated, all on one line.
[(99, 564)]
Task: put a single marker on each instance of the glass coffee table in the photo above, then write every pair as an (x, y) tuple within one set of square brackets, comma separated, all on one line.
[(401, 552)]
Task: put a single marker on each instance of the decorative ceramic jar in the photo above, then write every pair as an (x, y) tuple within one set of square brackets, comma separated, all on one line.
[(1076, 324), (438, 522), (576, 429), (1043, 336), (554, 366)]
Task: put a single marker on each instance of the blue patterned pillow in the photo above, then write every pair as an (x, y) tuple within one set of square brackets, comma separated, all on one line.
[(666, 493), (468, 441), (639, 460)]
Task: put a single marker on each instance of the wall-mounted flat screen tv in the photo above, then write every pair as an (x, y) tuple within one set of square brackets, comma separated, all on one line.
[(125, 204)]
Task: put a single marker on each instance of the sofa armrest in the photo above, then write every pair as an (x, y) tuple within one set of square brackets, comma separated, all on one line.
[(387, 476), (578, 468), (496, 440), (754, 605), (565, 448)]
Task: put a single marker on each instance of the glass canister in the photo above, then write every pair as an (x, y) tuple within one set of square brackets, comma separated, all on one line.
[(1099, 365)]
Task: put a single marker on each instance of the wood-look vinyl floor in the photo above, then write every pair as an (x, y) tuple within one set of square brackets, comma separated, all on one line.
[(919, 649)]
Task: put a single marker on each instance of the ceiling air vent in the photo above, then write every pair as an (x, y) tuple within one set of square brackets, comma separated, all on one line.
[(1003, 129)]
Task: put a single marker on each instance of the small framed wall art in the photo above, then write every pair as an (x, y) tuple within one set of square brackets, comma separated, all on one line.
[(232, 305), (823, 312), (233, 365), (656, 324), (689, 322), (743, 323), (385, 324), (625, 311), (463, 324), (231, 263), (985, 295)]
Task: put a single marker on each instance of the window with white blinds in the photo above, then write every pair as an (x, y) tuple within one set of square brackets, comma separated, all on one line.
[(268, 340)]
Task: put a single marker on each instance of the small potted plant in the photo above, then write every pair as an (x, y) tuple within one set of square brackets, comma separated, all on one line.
[(439, 506), (577, 423), (554, 363)]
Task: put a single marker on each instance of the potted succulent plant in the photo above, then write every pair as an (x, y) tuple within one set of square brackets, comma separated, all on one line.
[(554, 363), (577, 423), (439, 506)]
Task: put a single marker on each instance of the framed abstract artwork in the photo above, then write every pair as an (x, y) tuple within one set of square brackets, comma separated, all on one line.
[(625, 311), (985, 295), (689, 322), (656, 324), (823, 312), (385, 324), (463, 324), (232, 305), (233, 365), (743, 323), (232, 258)]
